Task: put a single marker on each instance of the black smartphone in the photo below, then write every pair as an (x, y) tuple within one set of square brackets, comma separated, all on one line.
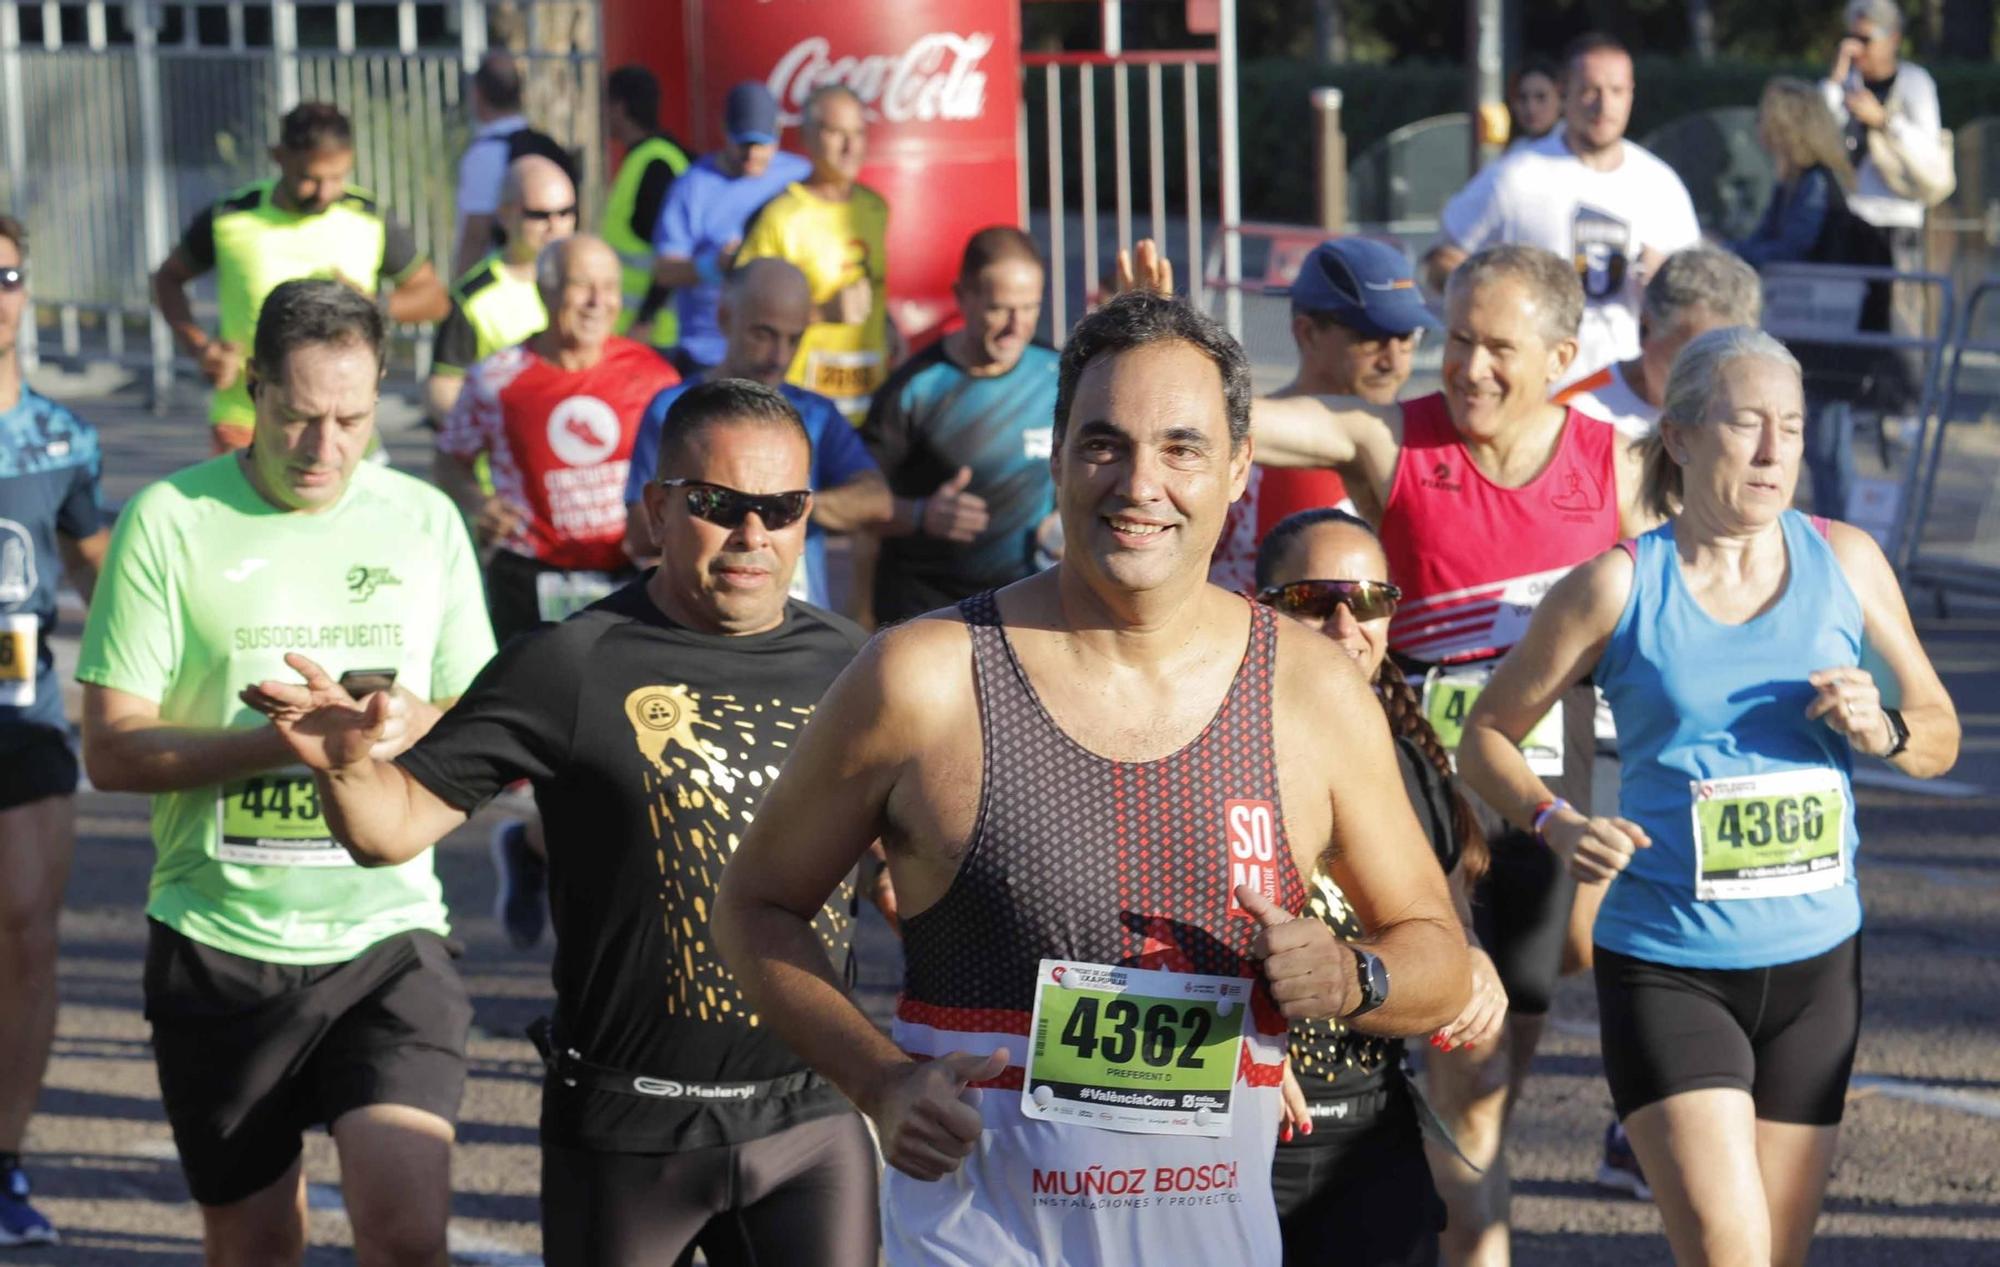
[(361, 683)]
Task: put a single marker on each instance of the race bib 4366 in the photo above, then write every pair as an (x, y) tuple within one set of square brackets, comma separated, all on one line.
[(1770, 835)]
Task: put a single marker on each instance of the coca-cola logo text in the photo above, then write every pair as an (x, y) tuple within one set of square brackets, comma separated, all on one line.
[(936, 78)]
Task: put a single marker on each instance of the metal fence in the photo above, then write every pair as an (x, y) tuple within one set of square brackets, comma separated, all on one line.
[(118, 122), (1817, 309), (1953, 541), (1179, 106)]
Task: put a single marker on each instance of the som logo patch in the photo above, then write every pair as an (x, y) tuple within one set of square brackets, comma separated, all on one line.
[(1251, 828)]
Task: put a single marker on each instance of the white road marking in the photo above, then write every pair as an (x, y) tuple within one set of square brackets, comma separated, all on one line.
[(1937, 1097)]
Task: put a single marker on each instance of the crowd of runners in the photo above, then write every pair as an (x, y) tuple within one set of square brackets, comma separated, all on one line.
[(1207, 746)]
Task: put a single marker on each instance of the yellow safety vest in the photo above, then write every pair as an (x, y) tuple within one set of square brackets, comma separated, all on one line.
[(634, 251), (259, 245)]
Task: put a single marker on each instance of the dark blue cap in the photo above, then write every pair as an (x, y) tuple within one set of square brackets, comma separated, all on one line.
[(1363, 284), (750, 116)]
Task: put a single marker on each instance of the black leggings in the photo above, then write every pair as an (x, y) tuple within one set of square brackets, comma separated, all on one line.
[(803, 1195), (1359, 1196), (1521, 913)]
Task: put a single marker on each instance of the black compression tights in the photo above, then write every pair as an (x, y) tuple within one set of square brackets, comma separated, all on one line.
[(804, 1195)]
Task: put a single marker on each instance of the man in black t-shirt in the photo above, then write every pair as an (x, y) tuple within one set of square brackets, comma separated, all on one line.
[(651, 724)]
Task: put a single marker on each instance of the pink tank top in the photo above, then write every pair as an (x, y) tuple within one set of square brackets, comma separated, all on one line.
[(1473, 559)]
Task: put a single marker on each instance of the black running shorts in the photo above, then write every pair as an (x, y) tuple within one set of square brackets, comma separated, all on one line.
[(35, 763), (1785, 1034), (805, 1194), (1521, 914), (252, 1054)]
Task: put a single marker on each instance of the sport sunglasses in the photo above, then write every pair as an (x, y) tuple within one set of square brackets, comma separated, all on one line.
[(728, 508), (1367, 600)]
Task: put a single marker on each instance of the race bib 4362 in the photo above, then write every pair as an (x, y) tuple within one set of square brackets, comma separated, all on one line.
[(1132, 1049)]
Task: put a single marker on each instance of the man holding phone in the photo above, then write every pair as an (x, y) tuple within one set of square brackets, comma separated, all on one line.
[(288, 988), (652, 725)]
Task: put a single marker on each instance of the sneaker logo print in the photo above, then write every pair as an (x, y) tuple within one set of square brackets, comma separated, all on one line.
[(244, 570), (1576, 495)]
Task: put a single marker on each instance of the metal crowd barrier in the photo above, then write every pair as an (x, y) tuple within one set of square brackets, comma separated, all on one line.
[(1820, 305), (1928, 567), (119, 120)]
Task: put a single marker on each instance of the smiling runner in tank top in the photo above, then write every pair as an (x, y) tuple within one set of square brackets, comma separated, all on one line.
[(1098, 788), (1486, 495)]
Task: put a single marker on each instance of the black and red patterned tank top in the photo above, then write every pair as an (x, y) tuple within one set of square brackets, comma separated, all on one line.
[(1077, 856)]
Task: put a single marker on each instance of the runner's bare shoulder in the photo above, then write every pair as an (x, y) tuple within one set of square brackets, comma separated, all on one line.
[(1317, 680), (919, 675)]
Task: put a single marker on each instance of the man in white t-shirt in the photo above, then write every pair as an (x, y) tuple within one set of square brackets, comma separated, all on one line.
[(1585, 193), (500, 134), (1695, 291)]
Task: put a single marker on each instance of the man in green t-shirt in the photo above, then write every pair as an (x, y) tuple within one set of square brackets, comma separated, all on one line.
[(286, 986), (308, 222)]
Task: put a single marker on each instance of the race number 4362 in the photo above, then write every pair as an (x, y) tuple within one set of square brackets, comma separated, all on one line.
[(1252, 831)]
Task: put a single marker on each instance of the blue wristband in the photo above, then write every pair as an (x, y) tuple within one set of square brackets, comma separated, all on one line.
[(708, 267)]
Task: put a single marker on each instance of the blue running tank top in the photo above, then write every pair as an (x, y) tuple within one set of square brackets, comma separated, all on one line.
[(1715, 712)]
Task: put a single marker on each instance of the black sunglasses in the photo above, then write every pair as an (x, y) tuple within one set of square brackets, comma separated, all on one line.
[(728, 508), (1367, 600), (553, 213), (11, 280)]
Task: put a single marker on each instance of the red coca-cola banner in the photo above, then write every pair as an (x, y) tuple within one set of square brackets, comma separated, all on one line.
[(940, 80)]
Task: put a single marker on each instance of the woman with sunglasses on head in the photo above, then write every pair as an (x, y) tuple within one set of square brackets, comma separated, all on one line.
[(1732, 643), (1350, 1176)]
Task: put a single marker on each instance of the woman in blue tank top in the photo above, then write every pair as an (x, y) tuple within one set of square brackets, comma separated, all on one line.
[(1728, 641)]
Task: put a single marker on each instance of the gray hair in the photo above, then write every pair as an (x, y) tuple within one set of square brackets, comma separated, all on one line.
[(1703, 277), (1552, 280), (1887, 15), (1690, 391), (809, 112)]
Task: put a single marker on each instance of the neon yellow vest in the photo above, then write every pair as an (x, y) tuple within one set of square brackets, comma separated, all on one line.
[(636, 252), (501, 310), (259, 246)]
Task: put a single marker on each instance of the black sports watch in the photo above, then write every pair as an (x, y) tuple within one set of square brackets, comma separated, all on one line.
[(1899, 730), (1372, 975)]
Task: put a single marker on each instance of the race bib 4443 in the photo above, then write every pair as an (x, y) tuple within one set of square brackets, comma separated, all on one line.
[(1132, 1049), (275, 820)]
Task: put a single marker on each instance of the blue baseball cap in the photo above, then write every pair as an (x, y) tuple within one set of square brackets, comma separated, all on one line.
[(1363, 284), (750, 116)]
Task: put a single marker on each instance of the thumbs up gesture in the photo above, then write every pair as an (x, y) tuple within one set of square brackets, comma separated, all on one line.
[(928, 1115), (951, 513), (1311, 973)]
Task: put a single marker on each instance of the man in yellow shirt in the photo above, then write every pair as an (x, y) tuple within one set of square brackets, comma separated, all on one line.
[(835, 230)]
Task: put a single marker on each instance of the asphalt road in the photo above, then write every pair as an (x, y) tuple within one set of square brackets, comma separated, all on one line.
[(1918, 1178)]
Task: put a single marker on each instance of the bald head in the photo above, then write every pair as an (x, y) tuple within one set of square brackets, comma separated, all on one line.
[(765, 309), (537, 206), (579, 280)]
